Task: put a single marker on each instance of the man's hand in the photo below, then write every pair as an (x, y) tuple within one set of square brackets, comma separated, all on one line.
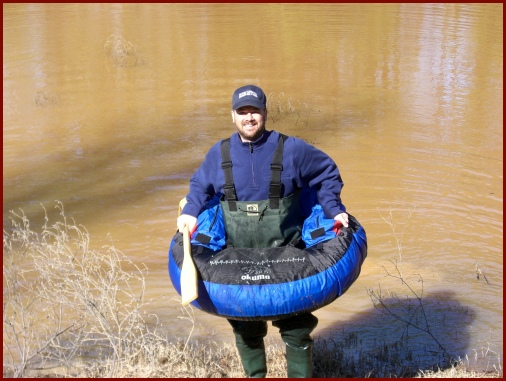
[(186, 220), (342, 218)]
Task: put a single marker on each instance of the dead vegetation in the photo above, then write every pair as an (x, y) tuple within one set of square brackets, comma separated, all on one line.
[(94, 326)]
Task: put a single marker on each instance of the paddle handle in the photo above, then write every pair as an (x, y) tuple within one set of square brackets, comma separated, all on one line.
[(188, 272)]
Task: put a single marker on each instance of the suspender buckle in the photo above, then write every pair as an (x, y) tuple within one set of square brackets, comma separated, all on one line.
[(230, 192), (275, 190)]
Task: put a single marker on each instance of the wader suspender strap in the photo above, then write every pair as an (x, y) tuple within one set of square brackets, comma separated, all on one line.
[(276, 168), (229, 186)]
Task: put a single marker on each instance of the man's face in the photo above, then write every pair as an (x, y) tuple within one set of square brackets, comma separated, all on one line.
[(250, 122)]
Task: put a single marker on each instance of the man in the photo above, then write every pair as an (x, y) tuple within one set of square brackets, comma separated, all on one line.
[(245, 169)]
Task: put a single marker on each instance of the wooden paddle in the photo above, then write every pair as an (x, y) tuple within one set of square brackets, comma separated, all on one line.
[(188, 272)]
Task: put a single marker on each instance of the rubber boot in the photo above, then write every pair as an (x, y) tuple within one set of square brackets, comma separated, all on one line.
[(253, 360), (296, 333), (299, 361), (249, 340)]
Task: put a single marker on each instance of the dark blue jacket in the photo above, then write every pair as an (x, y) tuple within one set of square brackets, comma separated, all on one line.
[(304, 166)]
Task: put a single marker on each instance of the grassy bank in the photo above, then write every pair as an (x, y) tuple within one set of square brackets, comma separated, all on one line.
[(213, 360), (72, 311)]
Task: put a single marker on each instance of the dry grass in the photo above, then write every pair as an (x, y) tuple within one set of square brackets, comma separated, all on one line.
[(292, 112), (214, 360), (93, 325)]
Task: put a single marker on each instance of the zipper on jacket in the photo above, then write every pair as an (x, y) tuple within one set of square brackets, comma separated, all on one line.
[(252, 166)]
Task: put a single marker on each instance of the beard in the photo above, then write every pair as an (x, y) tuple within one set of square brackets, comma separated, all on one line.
[(252, 133)]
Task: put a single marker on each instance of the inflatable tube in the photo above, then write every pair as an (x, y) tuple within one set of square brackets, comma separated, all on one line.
[(272, 283)]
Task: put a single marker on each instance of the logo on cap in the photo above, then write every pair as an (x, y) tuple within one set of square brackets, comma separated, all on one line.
[(246, 93)]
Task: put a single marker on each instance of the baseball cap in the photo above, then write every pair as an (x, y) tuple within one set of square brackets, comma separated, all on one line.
[(249, 95)]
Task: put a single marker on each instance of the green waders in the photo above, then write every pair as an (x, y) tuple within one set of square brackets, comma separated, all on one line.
[(259, 224), (255, 224), (295, 332), (249, 340)]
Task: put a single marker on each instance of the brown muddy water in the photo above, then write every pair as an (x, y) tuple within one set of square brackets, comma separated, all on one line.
[(109, 108)]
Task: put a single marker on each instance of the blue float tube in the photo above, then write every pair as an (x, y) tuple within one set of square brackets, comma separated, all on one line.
[(272, 283)]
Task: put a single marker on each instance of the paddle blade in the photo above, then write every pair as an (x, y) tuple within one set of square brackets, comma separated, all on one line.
[(188, 272)]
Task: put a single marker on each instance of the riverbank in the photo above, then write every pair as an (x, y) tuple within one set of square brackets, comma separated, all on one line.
[(213, 360), (71, 311)]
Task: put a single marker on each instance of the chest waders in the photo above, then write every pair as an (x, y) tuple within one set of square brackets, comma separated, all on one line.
[(259, 224)]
